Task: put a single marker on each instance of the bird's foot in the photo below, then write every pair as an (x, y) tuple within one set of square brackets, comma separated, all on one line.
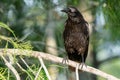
[(82, 64), (65, 60)]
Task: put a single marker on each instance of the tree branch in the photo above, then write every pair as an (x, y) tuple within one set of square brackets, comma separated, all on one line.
[(36, 76), (55, 59), (11, 68), (45, 69)]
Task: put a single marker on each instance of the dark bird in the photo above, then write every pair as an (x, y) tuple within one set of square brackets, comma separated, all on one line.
[(76, 35)]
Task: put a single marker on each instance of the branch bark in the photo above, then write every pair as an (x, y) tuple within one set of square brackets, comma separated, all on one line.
[(12, 69), (57, 60)]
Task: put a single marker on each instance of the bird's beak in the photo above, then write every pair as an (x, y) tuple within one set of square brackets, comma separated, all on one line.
[(65, 10)]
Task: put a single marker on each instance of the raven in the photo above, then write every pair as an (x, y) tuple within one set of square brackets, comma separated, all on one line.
[(76, 35)]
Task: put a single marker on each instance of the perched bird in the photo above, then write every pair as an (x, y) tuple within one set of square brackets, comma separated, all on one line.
[(76, 35)]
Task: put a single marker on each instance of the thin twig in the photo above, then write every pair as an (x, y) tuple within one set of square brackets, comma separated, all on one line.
[(57, 60), (76, 72), (11, 68), (21, 67), (27, 65), (37, 75), (24, 70), (44, 67)]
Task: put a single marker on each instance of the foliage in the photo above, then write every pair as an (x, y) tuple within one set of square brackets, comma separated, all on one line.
[(29, 20), (27, 74), (112, 18), (3, 72)]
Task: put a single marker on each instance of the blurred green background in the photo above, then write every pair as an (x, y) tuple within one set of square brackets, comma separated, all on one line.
[(41, 22)]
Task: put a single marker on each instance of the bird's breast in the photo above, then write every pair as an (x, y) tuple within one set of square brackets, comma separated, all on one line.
[(71, 37)]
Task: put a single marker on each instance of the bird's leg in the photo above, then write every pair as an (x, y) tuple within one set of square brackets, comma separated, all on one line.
[(82, 62), (65, 60)]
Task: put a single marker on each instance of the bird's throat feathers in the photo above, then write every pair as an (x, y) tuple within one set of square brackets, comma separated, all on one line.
[(76, 19)]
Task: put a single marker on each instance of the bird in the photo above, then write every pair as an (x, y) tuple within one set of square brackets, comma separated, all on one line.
[(76, 35)]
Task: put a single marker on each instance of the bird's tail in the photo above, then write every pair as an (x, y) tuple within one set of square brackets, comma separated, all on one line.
[(72, 73), (71, 68)]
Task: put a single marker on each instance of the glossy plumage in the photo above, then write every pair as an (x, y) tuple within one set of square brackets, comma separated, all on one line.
[(76, 35)]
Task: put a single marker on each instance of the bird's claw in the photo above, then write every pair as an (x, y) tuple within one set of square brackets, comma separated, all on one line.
[(82, 64), (65, 60)]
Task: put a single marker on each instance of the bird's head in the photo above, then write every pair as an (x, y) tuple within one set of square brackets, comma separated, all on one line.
[(71, 11)]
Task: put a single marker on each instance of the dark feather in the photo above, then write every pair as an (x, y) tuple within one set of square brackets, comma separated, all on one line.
[(76, 35)]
